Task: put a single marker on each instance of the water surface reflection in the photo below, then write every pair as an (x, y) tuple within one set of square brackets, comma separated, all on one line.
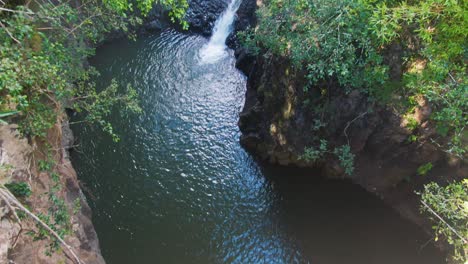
[(179, 188)]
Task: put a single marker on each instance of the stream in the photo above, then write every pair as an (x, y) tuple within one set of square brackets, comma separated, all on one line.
[(179, 188)]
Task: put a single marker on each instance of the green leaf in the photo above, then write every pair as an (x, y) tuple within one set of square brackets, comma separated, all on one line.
[(8, 113)]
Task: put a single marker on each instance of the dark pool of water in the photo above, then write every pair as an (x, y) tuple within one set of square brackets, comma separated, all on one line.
[(179, 188)]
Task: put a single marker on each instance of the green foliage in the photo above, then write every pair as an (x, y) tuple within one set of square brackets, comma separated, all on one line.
[(55, 177), (76, 205), (57, 218), (42, 70), (99, 105), (59, 211), (19, 189), (451, 204), (42, 54), (5, 169), (346, 158), (412, 124), (343, 153), (317, 124), (176, 8), (413, 138), (440, 29), (424, 169), (330, 38), (61, 218), (45, 165), (344, 42), (311, 154), (43, 233), (6, 114)]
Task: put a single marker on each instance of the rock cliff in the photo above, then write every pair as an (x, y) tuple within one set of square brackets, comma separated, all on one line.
[(23, 242), (280, 120)]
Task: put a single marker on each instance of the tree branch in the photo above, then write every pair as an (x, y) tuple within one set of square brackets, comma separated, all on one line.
[(8, 197), (9, 34), (352, 121), (443, 221), (16, 11)]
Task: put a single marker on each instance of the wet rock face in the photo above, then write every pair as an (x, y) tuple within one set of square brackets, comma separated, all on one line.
[(156, 19), (246, 15), (202, 14), (245, 19), (277, 125), (201, 17)]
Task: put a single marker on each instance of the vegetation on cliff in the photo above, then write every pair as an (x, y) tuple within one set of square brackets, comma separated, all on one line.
[(43, 48), (448, 208), (398, 53), (345, 43)]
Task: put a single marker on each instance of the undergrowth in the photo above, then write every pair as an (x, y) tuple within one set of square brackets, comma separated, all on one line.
[(43, 48)]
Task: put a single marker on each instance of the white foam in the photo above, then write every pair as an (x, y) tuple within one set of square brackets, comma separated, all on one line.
[(216, 48)]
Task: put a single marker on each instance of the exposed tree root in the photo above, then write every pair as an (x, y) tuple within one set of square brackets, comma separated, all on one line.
[(11, 199)]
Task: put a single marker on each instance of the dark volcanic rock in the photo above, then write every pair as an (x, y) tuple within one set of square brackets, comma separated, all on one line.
[(156, 20), (245, 18), (202, 14), (246, 15), (279, 120)]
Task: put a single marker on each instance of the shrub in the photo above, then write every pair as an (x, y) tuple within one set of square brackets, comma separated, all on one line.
[(447, 207), (42, 54), (346, 158), (311, 154), (424, 169), (330, 38), (437, 31), (19, 189), (344, 42)]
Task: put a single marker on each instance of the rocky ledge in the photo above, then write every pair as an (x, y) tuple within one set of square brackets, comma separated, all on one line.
[(24, 241), (201, 17), (279, 121)]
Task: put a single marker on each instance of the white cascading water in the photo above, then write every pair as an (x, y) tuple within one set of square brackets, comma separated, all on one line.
[(216, 48)]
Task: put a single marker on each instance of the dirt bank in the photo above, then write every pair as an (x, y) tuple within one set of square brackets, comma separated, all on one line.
[(22, 162)]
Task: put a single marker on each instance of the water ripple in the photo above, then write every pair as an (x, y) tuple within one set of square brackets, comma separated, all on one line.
[(179, 188)]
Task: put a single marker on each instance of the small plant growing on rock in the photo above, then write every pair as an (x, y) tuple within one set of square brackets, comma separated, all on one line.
[(346, 158), (412, 124), (312, 154), (424, 169), (44, 165), (344, 154), (19, 189), (76, 205)]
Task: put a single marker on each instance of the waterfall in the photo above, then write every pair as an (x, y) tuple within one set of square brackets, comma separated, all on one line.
[(215, 49)]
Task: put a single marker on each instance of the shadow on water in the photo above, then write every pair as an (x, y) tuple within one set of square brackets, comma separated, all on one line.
[(336, 221), (179, 188)]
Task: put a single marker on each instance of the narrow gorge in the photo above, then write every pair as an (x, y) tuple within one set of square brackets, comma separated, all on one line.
[(184, 190), (230, 156)]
